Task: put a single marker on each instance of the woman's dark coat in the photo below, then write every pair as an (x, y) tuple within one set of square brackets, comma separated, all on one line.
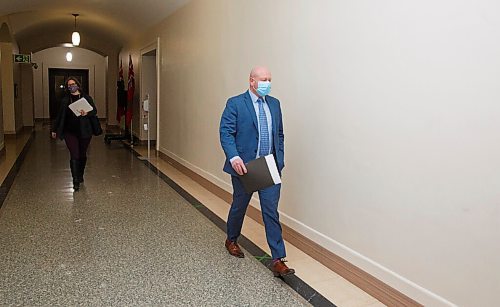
[(85, 127)]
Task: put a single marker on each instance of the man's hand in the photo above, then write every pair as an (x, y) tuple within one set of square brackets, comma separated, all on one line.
[(239, 166), (53, 135), (83, 113)]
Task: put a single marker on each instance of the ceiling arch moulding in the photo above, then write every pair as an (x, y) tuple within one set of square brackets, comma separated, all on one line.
[(32, 22), (104, 25)]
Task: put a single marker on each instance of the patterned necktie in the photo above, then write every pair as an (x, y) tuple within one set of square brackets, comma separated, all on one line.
[(264, 132)]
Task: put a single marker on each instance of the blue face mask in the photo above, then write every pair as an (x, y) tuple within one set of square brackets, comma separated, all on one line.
[(263, 88)]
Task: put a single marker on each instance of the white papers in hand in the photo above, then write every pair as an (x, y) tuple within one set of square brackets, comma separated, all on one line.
[(80, 104)]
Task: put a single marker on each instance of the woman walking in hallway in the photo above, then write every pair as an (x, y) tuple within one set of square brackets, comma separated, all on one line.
[(75, 130)]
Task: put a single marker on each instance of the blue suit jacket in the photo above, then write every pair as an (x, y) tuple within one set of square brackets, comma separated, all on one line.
[(239, 132)]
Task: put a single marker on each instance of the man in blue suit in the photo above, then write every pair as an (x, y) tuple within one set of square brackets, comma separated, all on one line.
[(251, 126)]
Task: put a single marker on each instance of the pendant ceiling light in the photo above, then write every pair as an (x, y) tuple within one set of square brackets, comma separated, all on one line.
[(75, 37)]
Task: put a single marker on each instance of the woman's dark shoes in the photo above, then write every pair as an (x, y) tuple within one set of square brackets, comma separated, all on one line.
[(280, 269), (234, 249), (76, 185)]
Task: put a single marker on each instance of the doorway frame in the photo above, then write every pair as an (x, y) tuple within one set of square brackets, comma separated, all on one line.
[(68, 72), (154, 45), (45, 82)]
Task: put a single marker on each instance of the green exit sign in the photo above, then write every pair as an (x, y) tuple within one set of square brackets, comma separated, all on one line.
[(22, 58)]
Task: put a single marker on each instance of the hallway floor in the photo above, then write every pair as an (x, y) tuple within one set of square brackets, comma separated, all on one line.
[(128, 238)]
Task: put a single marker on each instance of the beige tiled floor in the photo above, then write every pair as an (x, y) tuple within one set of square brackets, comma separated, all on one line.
[(14, 144), (331, 285), (124, 239), (328, 283)]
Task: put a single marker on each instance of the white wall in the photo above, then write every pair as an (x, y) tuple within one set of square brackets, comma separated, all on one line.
[(18, 100), (2, 138), (392, 142), (27, 95), (111, 78), (82, 59), (8, 102), (5, 69), (12, 107)]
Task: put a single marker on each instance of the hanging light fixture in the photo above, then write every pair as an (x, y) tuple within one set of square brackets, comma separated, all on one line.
[(69, 56), (75, 37)]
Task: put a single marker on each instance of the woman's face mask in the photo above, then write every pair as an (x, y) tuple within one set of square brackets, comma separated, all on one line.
[(73, 88)]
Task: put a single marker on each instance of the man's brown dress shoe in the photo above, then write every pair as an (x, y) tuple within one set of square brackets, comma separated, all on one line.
[(234, 249), (279, 268)]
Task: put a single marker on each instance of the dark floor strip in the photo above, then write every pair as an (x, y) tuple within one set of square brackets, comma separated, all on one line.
[(9, 180), (297, 284)]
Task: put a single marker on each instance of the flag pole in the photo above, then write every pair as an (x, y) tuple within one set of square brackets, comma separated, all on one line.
[(149, 138), (131, 132)]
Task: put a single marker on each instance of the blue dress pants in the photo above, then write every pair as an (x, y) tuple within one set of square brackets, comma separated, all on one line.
[(269, 198)]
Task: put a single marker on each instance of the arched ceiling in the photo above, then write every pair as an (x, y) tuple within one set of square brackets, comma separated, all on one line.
[(104, 25)]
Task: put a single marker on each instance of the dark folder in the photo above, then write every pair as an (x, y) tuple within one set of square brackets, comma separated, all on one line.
[(261, 173)]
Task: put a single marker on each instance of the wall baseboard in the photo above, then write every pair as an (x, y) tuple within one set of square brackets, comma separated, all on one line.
[(363, 280)]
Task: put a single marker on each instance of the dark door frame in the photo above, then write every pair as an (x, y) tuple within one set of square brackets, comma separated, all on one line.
[(57, 91)]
